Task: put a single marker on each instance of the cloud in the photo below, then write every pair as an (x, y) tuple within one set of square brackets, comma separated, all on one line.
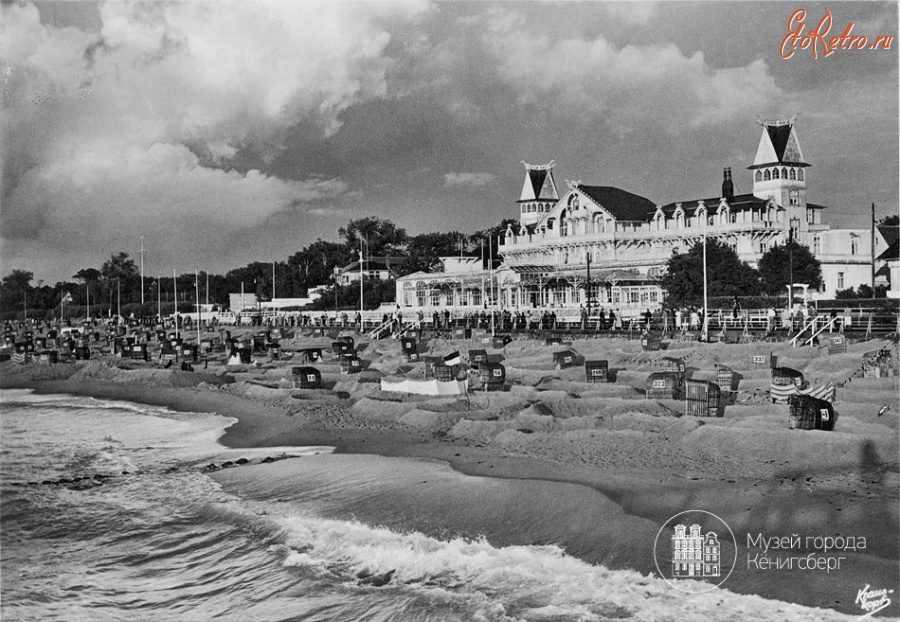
[(638, 13), (140, 122), (332, 212), (591, 78), (471, 180)]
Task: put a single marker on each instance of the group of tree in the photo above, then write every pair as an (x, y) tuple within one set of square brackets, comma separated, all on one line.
[(117, 283)]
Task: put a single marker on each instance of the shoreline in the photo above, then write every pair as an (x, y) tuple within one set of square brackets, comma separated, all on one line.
[(749, 499)]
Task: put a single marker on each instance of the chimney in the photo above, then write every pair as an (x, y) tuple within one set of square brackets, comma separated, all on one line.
[(727, 185)]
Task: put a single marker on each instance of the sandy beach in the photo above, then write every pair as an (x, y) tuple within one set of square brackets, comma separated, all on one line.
[(560, 435)]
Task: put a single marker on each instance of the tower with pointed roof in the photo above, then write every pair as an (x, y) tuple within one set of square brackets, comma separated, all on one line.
[(779, 170), (539, 193)]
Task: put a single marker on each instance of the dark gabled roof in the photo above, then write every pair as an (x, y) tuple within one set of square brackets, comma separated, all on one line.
[(816, 206), (623, 205), (737, 203), (537, 177), (890, 233), (779, 135), (892, 252)]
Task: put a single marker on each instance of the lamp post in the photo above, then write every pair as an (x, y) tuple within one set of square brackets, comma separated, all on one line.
[(704, 335), (794, 223), (142, 275)]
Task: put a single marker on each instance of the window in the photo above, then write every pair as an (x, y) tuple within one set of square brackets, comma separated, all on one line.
[(758, 175), (840, 280), (817, 245), (854, 245), (435, 298), (800, 174), (774, 173), (794, 197), (793, 174), (784, 173), (810, 215), (767, 176), (762, 248)]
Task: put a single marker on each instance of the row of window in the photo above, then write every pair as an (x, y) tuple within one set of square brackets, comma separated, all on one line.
[(530, 208), (774, 173)]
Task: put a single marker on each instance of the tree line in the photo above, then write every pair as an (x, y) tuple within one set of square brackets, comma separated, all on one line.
[(116, 284)]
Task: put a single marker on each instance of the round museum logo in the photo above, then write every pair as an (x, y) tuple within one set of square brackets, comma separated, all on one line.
[(695, 551)]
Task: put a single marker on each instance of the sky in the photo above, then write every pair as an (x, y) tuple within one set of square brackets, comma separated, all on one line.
[(229, 132)]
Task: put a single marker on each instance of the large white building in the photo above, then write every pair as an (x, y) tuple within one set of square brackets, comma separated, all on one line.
[(608, 246)]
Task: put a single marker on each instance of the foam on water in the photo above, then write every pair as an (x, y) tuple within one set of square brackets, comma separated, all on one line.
[(513, 582)]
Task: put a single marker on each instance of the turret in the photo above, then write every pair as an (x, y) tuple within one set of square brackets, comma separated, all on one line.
[(539, 193)]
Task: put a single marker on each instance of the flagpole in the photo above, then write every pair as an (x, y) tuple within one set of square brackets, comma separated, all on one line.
[(159, 297), (197, 296), (142, 275), (175, 290), (483, 303), (87, 288), (491, 252), (360, 281), (207, 287), (705, 333)]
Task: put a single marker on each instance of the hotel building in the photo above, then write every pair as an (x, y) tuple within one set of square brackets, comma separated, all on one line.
[(607, 246)]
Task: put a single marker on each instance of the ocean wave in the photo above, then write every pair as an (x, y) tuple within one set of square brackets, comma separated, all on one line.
[(527, 583)]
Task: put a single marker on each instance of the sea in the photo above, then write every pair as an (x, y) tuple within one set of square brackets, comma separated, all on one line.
[(111, 510)]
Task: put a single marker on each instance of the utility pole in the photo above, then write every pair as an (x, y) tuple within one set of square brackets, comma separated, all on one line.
[(175, 291), (872, 246), (491, 253), (142, 274), (704, 335), (360, 281), (197, 298)]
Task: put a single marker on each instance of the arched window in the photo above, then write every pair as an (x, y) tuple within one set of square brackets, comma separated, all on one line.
[(793, 174), (774, 173), (800, 174), (679, 220), (767, 175), (758, 175), (784, 173)]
